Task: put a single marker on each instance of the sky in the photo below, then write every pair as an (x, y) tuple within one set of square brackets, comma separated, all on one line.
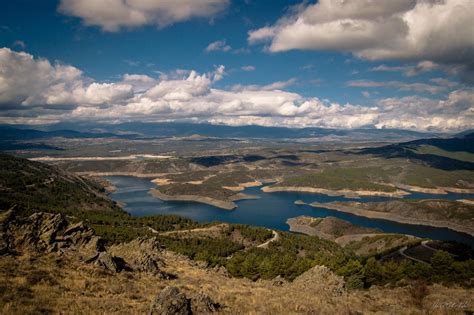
[(405, 64)]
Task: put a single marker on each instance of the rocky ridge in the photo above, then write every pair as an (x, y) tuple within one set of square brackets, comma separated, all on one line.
[(52, 233), (68, 269)]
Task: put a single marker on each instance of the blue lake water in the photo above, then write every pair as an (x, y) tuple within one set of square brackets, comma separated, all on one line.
[(271, 210)]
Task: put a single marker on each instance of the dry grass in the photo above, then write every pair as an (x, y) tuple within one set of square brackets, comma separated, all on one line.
[(371, 244), (53, 284)]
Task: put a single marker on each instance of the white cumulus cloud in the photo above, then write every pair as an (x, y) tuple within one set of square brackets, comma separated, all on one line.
[(112, 15), (427, 30), (33, 90), (27, 82)]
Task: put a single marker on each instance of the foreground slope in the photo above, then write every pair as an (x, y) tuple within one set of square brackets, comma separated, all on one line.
[(59, 267)]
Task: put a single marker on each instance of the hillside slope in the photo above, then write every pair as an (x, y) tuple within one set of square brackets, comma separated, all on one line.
[(74, 273), (32, 186), (446, 154)]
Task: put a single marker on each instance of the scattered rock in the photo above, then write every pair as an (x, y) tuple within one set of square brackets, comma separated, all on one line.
[(170, 301), (92, 247), (221, 270), (278, 281), (92, 258), (142, 255), (146, 263), (321, 280), (202, 264), (109, 262), (203, 304), (106, 261)]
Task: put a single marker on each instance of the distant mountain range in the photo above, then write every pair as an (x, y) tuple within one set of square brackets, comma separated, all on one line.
[(14, 138), (13, 133), (466, 134), (175, 129)]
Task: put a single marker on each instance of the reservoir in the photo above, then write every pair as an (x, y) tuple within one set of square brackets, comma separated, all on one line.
[(271, 210)]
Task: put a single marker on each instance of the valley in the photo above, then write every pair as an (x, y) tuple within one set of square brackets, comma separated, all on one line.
[(223, 177), (269, 216)]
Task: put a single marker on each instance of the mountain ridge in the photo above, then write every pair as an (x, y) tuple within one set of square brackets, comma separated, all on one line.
[(177, 129)]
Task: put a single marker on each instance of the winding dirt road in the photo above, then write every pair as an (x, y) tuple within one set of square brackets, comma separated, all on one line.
[(402, 250), (275, 238)]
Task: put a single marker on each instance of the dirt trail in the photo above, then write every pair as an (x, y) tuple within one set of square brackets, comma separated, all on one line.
[(275, 238), (215, 228), (402, 250), (425, 244)]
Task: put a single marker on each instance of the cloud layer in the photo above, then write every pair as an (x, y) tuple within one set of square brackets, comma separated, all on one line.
[(440, 31), (112, 15), (436, 88), (36, 91)]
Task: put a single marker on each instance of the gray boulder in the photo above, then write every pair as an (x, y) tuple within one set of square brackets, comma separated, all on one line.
[(170, 301), (106, 261), (203, 304)]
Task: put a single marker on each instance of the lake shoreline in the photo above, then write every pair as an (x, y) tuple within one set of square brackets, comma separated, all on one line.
[(393, 217), (272, 211), (342, 192), (225, 205), (129, 174), (437, 190)]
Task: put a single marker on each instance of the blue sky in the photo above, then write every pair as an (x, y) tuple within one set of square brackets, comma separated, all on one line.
[(339, 68)]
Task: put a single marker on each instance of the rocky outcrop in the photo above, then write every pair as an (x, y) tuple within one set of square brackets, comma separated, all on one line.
[(172, 301), (107, 261), (45, 232), (142, 255)]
